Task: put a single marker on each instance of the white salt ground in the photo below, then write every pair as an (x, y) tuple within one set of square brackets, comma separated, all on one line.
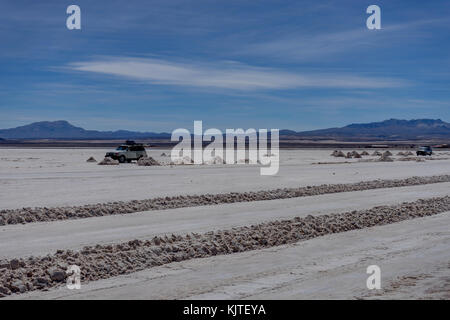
[(328, 267), (59, 177)]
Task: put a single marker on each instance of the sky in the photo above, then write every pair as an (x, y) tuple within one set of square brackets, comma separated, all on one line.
[(147, 65)]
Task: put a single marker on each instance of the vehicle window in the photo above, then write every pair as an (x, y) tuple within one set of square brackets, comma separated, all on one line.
[(121, 148)]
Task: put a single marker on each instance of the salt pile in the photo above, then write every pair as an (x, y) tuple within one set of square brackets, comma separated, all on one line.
[(215, 160), (148, 161), (385, 157), (91, 159), (108, 162), (182, 160), (355, 154), (337, 153)]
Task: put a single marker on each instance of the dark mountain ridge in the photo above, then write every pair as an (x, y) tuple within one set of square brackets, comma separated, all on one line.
[(64, 130), (392, 129)]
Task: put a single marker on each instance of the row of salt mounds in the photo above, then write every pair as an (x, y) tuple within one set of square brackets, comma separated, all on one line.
[(147, 161), (108, 162), (353, 154), (104, 261), (91, 159), (29, 215)]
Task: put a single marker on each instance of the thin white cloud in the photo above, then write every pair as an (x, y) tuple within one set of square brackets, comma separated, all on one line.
[(308, 47), (225, 75)]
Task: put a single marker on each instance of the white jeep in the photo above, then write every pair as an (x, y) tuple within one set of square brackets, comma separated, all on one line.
[(128, 152)]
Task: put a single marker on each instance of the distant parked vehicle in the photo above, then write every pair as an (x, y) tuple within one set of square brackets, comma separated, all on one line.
[(128, 152), (424, 151)]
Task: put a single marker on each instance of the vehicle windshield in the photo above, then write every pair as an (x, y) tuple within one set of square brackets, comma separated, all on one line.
[(424, 148), (121, 148)]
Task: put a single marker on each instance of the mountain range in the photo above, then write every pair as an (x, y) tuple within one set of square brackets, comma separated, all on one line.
[(392, 129), (64, 130)]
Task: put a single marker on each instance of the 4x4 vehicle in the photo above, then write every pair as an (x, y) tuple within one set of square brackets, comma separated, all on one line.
[(128, 152), (424, 151)]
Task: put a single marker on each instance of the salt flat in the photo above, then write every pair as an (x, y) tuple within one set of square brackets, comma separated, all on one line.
[(413, 253), (47, 237), (413, 256), (56, 177)]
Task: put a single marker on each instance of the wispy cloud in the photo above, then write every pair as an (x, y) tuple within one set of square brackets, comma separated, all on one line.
[(225, 75), (304, 47)]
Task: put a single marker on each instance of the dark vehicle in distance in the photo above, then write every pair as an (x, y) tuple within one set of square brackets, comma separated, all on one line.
[(128, 152), (424, 151)]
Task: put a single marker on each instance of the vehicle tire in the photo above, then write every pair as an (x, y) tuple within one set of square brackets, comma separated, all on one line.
[(122, 159)]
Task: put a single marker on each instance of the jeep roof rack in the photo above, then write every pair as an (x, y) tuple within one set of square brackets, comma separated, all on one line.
[(132, 143)]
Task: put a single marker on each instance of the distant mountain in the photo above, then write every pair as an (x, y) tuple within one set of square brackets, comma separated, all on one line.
[(64, 130), (392, 129)]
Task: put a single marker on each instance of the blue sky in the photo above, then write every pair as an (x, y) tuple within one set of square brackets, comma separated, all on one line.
[(159, 65)]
